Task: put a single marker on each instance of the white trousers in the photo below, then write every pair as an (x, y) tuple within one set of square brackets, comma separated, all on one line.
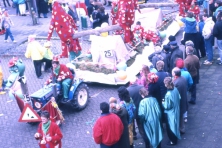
[(22, 8)]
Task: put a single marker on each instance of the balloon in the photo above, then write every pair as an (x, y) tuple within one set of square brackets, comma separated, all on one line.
[(104, 34), (89, 56), (162, 34), (104, 25), (181, 24), (122, 75), (121, 66)]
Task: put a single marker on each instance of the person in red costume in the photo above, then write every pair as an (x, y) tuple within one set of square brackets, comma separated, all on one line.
[(126, 16), (195, 10), (114, 17), (188, 5), (48, 134), (64, 26)]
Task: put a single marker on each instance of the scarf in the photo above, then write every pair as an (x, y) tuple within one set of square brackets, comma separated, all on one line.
[(56, 70), (45, 127)]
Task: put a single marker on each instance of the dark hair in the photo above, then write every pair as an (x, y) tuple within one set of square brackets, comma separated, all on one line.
[(138, 23), (123, 94), (219, 3), (45, 114), (102, 9), (169, 83), (201, 17), (177, 71), (219, 16), (104, 107), (190, 14), (205, 15), (55, 62), (143, 91)]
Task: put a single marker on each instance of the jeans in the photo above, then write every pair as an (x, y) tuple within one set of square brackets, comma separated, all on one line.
[(38, 65), (219, 45), (105, 146), (209, 48), (8, 33)]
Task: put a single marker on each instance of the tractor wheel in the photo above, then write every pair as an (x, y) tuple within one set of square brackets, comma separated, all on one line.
[(81, 97)]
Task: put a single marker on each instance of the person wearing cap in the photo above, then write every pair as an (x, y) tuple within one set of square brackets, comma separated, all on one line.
[(158, 55), (108, 128), (166, 54), (134, 89), (47, 56), (150, 116), (122, 113), (35, 51), (181, 84), (175, 53), (62, 75), (171, 105), (7, 23), (192, 64), (171, 38), (49, 134), (190, 43)]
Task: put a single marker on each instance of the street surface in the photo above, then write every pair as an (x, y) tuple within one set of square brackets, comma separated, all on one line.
[(203, 129)]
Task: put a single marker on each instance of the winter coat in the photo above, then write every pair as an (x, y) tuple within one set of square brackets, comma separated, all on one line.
[(123, 115), (190, 25), (161, 76), (54, 132), (187, 76), (181, 84), (217, 10), (171, 105), (217, 30), (208, 28), (200, 26), (150, 115), (130, 107), (108, 129), (134, 94), (42, 6), (154, 91), (175, 53), (34, 51), (192, 64)]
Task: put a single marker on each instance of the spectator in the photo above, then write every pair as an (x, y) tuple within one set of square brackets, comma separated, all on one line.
[(201, 41), (22, 7), (35, 52), (72, 12), (217, 32), (187, 76), (128, 104), (7, 23), (123, 115), (192, 64), (15, 3), (108, 128), (166, 54), (190, 30), (156, 56), (48, 134), (150, 116), (90, 8), (134, 89), (95, 23), (218, 5), (208, 38), (47, 57), (181, 84), (42, 8), (144, 73), (101, 16), (171, 104), (175, 53)]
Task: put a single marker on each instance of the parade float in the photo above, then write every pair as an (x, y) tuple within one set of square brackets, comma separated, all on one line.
[(110, 60)]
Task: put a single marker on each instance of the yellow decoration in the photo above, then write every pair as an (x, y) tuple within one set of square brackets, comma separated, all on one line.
[(104, 34), (181, 24), (122, 75)]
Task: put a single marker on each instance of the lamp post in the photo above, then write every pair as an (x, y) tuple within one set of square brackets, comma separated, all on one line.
[(33, 11)]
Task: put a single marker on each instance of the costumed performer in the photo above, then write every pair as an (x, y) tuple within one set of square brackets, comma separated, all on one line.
[(65, 28), (62, 76), (47, 56), (48, 134)]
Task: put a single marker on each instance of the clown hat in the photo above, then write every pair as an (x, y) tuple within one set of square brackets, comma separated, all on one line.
[(12, 61), (55, 59)]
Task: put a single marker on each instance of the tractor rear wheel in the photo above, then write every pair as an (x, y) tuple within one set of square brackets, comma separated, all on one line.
[(81, 97)]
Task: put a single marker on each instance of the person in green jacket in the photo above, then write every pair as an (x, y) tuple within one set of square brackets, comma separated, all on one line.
[(171, 105), (150, 115)]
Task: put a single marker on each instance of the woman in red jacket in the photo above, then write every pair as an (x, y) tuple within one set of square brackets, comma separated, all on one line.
[(48, 134)]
